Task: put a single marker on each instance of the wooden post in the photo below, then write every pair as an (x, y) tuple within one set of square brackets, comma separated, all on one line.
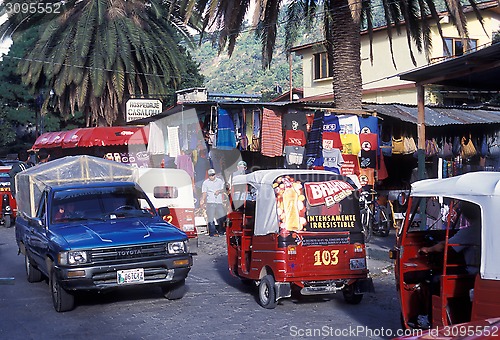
[(421, 131)]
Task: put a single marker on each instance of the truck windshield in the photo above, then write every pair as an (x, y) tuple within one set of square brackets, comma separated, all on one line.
[(99, 203)]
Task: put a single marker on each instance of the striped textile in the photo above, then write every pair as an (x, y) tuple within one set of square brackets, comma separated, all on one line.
[(314, 140), (271, 133)]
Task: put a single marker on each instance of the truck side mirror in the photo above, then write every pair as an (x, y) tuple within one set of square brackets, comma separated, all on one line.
[(164, 211), (36, 222)]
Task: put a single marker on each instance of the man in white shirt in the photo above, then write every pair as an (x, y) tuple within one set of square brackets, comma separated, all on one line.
[(213, 190)]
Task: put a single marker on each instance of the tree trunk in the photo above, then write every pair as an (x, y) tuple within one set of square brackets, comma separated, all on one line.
[(346, 57)]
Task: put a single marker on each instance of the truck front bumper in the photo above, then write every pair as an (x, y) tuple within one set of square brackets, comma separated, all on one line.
[(106, 276)]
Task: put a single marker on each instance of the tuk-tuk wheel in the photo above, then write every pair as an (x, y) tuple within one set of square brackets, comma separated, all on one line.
[(350, 297), (7, 221), (267, 293)]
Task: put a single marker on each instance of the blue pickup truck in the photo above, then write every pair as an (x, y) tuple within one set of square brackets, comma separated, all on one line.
[(87, 227)]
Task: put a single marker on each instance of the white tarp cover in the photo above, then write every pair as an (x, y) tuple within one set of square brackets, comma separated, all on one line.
[(482, 188), (266, 217), (67, 170)]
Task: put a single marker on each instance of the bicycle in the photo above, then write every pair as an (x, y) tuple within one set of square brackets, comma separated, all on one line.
[(366, 206), (375, 217)]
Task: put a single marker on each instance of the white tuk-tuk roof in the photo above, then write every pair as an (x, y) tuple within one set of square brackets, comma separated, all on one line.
[(266, 219), (482, 188)]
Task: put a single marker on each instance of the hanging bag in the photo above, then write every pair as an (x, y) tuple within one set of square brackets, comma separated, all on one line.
[(397, 146), (431, 147), (409, 145), (468, 149), (446, 150)]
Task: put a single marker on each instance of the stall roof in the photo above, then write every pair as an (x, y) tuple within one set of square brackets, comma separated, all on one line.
[(96, 136), (439, 115), (478, 70)]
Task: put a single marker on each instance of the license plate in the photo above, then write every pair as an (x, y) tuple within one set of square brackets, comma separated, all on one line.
[(130, 276)]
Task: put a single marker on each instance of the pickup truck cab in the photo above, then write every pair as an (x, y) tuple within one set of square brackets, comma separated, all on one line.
[(86, 234)]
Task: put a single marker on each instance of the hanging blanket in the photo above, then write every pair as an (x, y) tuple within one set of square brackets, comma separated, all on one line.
[(271, 134), (226, 140)]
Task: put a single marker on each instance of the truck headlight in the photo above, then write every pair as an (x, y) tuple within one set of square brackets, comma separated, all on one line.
[(73, 257), (177, 247)]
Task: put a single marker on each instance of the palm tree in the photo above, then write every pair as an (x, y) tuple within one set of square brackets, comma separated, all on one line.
[(341, 23), (95, 54)]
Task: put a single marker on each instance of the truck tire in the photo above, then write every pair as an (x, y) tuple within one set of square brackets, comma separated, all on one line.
[(267, 293), (32, 273), (63, 301), (174, 291)]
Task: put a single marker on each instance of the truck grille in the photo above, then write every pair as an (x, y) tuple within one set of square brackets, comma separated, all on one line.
[(119, 254)]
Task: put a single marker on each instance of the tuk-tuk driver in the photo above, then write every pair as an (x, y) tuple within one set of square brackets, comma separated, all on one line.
[(212, 190)]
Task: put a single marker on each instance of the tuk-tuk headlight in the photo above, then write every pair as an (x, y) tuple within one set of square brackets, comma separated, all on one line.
[(73, 257), (177, 247)]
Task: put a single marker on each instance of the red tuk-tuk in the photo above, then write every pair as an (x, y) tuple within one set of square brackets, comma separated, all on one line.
[(448, 287), (297, 230), (9, 207)]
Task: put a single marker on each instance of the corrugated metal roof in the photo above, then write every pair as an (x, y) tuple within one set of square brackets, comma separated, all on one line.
[(438, 116)]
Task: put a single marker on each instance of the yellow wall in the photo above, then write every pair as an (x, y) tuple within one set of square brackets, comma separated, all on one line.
[(382, 73)]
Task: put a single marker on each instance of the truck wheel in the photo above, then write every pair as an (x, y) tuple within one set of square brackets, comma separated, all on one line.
[(62, 300), (267, 294), (32, 273), (174, 291), (7, 221), (350, 297)]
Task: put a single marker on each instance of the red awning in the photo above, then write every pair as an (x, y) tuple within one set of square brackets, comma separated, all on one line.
[(97, 136)]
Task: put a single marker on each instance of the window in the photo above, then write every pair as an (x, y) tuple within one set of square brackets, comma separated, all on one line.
[(165, 192), (457, 48), (321, 69)]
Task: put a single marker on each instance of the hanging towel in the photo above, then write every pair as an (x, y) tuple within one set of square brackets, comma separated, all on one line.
[(174, 148), (271, 133), (226, 139)]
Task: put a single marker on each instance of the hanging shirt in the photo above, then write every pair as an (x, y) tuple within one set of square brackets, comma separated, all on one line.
[(331, 140), (272, 134), (295, 120), (350, 144), (349, 124), (295, 138), (350, 165), (294, 155), (185, 163), (331, 123), (368, 124), (332, 160), (156, 144)]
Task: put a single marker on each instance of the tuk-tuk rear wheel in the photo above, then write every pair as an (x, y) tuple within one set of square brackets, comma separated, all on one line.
[(267, 293), (7, 222), (350, 297)]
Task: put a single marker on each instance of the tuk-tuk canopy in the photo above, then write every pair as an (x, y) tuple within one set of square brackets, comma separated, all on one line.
[(266, 219), (482, 188), (68, 170)]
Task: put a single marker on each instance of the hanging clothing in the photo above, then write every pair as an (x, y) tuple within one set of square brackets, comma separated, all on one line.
[(174, 148), (350, 165), (295, 138), (156, 144), (332, 160), (185, 163), (249, 129), (272, 133), (368, 124), (295, 120), (331, 140), (314, 140), (331, 123), (350, 144), (349, 124), (294, 156), (226, 139)]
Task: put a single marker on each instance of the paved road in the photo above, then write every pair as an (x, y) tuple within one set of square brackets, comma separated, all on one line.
[(216, 306)]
